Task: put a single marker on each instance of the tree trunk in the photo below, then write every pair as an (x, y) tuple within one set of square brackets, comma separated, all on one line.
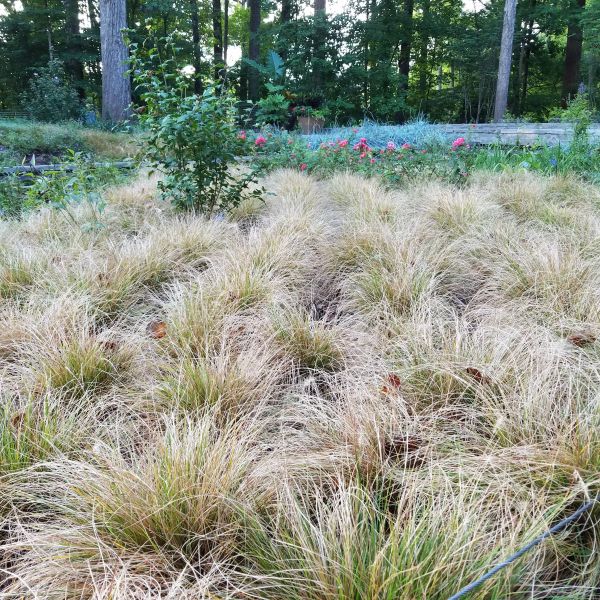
[(406, 45), (196, 41), (225, 31), (423, 52), (254, 50), (50, 46), (49, 31), (320, 14), (286, 11), (217, 38), (506, 47), (524, 67), (73, 64), (116, 88), (573, 52), (93, 17)]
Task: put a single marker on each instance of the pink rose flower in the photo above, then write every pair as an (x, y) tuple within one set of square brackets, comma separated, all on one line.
[(242, 135), (343, 143), (303, 167), (391, 146), (406, 146), (458, 142), (260, 141), (362, 145)]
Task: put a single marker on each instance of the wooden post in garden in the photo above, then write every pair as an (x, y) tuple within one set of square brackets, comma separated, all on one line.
[(508, 29)]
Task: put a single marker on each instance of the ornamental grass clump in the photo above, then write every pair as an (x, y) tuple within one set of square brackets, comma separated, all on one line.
[(347, 391)]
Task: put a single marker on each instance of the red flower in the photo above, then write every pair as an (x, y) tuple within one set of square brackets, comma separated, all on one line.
[(343, 143), (362, 145), (458, 142), (303, 167), (260, 141), (406, 146), (242, 135)]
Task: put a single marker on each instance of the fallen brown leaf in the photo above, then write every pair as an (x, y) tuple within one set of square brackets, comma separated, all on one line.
[(581, 339), (157, 329)]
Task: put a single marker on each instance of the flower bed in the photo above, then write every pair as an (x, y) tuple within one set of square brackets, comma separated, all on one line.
[(393, 162)]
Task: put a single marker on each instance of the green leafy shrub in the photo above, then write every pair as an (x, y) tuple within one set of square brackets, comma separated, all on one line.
[(11, 196), (273, 110), (49, 95), (193, 139), (67, 190), (579, 113)]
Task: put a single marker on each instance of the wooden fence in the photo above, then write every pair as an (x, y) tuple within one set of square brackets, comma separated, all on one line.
[(13, 114), (518, 133), (28, 170)]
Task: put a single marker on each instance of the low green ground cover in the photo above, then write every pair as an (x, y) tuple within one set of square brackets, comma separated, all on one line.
[(21, 139)]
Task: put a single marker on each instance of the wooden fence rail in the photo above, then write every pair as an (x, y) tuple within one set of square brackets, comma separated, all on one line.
[(39, 169), (518, 133)]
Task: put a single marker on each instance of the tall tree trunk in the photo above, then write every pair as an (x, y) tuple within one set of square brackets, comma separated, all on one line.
[(225, 31), (49, 31), (406, 45), (243, 89), (286, 11), (217, 38), (423, 52), (573, 52), (366, 53), (320, 14), (116, 88), (506, 47), (93, 17), (254, 50), (524, 67), (196, 41), (73, 64), (50, 46)]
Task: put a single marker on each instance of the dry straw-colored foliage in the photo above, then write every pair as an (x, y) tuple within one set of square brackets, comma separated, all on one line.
[(346, 392)]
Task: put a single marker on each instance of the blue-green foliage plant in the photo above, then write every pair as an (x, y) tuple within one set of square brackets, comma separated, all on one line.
[(417, 133)]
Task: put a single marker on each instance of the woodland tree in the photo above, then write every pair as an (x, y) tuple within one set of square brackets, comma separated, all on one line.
[(504, 64), (116, 88)]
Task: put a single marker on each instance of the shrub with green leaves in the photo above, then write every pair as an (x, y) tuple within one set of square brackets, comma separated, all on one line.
[(192, 139), (50, 96), (66, 190), (579, 113), (11, 196), (274, 109)]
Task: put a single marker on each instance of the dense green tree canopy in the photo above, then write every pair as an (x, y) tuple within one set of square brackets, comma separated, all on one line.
[(387, 59)]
